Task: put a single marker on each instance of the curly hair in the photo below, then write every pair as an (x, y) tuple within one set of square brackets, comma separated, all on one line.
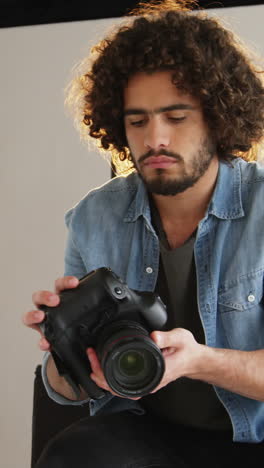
[(207, 61)]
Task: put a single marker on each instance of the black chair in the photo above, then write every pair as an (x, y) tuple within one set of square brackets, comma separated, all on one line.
[(49, 418)]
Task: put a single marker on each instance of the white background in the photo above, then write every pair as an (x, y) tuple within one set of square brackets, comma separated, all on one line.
[(44, 171)]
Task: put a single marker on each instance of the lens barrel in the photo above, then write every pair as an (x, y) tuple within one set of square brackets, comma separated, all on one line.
[(132, 363)]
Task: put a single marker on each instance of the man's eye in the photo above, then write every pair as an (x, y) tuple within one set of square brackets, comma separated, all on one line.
[(137, 123), (176, 119)]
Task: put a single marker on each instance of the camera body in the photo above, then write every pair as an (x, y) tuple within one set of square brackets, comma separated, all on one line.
[(103, 313)]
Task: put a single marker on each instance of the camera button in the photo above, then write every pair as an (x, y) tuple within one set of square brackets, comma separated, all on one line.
[(118, 292)]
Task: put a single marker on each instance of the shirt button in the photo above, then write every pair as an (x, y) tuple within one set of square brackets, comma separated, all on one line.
[(149, 270), (251, 298)]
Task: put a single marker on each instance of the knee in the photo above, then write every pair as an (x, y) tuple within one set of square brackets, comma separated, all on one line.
[(60, 452), (53, 456)]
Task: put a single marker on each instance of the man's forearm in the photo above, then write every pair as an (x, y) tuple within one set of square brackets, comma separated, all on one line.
[(59, 384), (240, 372)]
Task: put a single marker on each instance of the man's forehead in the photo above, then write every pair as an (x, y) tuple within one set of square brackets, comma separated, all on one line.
[(155, 92)]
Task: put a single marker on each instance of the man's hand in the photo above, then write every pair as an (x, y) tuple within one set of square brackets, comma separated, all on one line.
[(182, 354), (237, 371), (34, 317)]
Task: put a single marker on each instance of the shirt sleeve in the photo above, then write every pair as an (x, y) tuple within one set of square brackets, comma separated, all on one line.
[(61, 400), (95, 406), (73, 263)]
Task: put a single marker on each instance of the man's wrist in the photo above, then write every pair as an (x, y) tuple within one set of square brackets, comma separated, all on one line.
[(58, 383), (199, 370)]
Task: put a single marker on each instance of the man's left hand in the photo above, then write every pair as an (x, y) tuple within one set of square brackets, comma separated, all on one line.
[(182, 354)]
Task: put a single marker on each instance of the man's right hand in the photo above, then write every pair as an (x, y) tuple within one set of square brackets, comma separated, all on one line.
[(34, 317)]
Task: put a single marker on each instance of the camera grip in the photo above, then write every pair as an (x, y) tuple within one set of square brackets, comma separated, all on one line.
[(71, 363)]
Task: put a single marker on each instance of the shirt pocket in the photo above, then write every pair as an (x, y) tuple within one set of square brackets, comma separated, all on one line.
[(241, 312)]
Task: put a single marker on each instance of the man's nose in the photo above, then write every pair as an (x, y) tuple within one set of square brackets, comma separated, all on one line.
[(156, 135)]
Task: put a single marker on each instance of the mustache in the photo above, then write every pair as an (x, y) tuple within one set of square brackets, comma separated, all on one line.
[(164, 152)]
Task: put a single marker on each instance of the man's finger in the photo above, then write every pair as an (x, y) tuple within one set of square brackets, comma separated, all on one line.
[(45, 297), (33, 318), (94, 361), (172, 338), (66, 282), (44, 344)]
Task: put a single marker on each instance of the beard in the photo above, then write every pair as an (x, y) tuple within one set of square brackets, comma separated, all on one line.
[(161, 184)]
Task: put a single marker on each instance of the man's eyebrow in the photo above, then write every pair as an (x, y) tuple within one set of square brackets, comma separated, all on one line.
[(139, 111)]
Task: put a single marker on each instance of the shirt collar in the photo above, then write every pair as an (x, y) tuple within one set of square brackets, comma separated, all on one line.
[(226, 202), (139, 205)]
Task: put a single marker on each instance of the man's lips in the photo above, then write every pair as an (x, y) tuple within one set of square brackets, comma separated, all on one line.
[(159, 161)]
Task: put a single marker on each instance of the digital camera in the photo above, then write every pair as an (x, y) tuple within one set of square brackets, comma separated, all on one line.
[(103, 313)]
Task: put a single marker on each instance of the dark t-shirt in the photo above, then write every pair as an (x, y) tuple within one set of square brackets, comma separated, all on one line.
[(185, 401)]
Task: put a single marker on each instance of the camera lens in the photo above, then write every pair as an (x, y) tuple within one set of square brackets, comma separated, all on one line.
[(133, 368), (132, 363)]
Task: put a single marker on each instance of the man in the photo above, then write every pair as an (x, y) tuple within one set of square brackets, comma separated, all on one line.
[(173, 93)]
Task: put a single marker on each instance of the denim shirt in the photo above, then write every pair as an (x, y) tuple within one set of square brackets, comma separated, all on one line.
[(111, 226)]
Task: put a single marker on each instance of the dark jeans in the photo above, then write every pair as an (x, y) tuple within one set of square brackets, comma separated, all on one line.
[(125, 440)]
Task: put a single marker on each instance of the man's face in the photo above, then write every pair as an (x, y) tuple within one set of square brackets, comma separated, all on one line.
[(166, 133)]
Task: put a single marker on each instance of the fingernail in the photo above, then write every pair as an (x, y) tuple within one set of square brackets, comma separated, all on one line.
[(73, 281), (38, 315), (43, 344), (52, 297), (158, 339)]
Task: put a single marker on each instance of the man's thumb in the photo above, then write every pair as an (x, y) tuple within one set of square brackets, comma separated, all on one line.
[(160, 338)]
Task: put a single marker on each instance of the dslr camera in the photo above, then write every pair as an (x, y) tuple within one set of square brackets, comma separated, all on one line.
[(104, 313)]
